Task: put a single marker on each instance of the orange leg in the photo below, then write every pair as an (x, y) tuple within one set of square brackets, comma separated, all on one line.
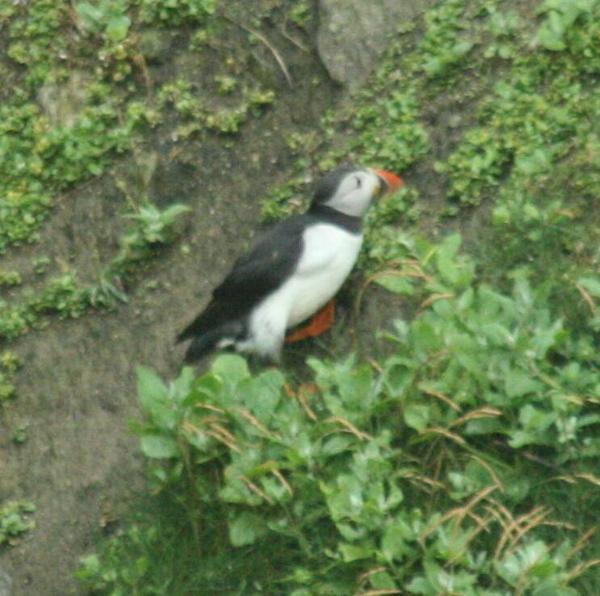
[(320, 322)]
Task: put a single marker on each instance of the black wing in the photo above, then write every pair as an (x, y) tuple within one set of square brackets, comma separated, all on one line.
[(254, 276)]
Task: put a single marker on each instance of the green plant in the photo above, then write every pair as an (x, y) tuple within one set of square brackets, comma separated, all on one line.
[(175, 12), (339, 471), (558, 28), (300, 13), (10, 278), (15, 520), (443, 45), (107, 17), (19, 434), (9, 365)]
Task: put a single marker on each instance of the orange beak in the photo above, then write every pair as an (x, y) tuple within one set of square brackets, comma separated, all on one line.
[(392, 182)]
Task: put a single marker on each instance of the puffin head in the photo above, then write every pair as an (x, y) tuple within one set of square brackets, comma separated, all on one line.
[(351, 189)]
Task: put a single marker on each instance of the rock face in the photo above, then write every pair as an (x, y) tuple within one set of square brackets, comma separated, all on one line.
[(64, 102), (353, 33)]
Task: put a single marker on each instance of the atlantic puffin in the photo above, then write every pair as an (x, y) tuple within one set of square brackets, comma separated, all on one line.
[(293, 271)]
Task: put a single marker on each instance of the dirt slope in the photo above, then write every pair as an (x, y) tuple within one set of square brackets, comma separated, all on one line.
[(77, 389)]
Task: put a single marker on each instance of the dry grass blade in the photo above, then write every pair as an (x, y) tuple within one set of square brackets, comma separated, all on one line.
[(459, 512), (212, 429), (520, 526), (588, 478), (587, 297), (438, 430), (501, 513), (302, 398), (268, 45), (485, 412), (351, 428), (367, 574), (467, 509), (291, 38), (378, 592), (283, 481), (490, 471), (220, 433), (204, 406), (257, 490), (582, 568), (581, 543), (375, 365), (438, 395), (246, 415), (223, 440), (481, 524), (434, 298), (430, 482)]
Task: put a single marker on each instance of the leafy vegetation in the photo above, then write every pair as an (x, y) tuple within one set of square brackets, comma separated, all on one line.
[(175, 12), (9, 364), (380, 477), (15, 520)]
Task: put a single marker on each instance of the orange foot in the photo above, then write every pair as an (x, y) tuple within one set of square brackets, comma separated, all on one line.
[(320, 322)]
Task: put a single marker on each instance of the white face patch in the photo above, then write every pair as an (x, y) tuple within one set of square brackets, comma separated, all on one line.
[(355, 193)]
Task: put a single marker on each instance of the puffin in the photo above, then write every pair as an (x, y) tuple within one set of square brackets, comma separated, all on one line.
[(290, 276)]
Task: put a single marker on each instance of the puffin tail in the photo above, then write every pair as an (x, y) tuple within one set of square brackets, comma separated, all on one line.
[(218, 337)]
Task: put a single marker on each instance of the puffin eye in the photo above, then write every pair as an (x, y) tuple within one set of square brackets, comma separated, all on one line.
[(358, 182)]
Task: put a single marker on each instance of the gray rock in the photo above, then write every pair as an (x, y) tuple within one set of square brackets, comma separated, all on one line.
[(353, 33)]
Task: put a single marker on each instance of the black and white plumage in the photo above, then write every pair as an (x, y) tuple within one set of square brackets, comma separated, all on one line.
[(293, 270)]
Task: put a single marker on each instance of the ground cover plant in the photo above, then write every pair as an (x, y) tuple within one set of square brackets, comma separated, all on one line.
[(463, 458), (434, 470)]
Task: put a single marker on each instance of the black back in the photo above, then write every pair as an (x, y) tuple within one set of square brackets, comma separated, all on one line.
[(253, 276)]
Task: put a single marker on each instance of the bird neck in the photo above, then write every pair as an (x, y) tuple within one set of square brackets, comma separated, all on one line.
[(348, 222)]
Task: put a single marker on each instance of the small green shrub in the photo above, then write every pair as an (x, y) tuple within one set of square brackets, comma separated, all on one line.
[(15, 520), (175, 12), (381, 477), (107, 17)]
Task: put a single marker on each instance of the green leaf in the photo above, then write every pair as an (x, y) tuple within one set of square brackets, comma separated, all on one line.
[(591, 284), (182, 385), (90, 15), (519, 383), (264, 393), (382, 581), (151, 390), (396, 283), (231, 368), (159, 446), (117, 28), (246, 528), (551, 33), (417, 416), (396, 540), (355, 552), (336, 444), (446, 259), (205, 388)]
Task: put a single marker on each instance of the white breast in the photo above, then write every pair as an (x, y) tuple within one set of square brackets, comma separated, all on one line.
[(328, 257)]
